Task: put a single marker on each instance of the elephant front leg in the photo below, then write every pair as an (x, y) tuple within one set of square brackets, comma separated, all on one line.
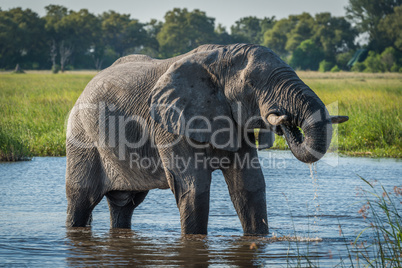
[(192, 193), (247, 190)]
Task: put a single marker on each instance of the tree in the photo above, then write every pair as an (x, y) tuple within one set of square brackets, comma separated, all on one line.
[(389, 58), (343, 58), (302, 29), (287, 34), (391, 25), (373, 63), (307, 56), (367, 15), (276, 37), (71, 34), (184, 30), (122, 34), (9, 43), (251, 29), (334, 34), (21, 39), (222, 36), (152, 29), (53, 17), (82, 30)]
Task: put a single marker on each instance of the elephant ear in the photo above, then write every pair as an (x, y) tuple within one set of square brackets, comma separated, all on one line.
[(187, 100)]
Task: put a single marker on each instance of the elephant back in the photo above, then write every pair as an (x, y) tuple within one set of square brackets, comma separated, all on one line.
[(132, 58)]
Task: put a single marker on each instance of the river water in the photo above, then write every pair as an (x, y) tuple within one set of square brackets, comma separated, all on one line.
[(311, 208)]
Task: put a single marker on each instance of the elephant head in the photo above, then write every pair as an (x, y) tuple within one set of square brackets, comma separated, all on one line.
[(252, 87)]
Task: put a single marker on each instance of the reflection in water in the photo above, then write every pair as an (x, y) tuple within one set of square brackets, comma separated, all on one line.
[(125, 247)]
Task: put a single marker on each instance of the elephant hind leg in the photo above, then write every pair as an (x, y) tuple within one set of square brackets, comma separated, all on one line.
[(84, 184), (79, 209), (122, 205)]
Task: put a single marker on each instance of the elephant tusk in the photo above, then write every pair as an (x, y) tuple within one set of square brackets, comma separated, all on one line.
[(275, 120), (339, 119)]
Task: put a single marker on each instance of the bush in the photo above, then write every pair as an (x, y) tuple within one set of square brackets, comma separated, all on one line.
[(373, 63), (358, 67), (325, 66), (35, 66), (306, 56), (388, 58), (342, 59), (69, 67), (18, 69), (55, 69), (387, 61), (395, 68), (335, 69)]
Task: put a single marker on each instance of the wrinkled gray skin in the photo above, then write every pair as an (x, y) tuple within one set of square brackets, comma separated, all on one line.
[(210, 81)]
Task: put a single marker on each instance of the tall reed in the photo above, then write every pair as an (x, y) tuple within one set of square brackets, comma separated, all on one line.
[(382, 211)]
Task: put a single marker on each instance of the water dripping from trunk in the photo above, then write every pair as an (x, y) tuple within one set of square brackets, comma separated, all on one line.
[(316, 203)]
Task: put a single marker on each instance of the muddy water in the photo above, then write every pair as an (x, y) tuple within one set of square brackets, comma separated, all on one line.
[(33, 204)]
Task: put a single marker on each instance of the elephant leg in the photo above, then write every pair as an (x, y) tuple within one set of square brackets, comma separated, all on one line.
[(247, 190), (79, 209), (122, 205), (83, 186), (189, 181), (192, 192)]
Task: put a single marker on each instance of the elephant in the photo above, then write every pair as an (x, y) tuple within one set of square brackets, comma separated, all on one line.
[(145, 123)]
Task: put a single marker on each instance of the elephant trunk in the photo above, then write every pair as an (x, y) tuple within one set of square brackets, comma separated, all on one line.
[(315, 142), (301, 116)]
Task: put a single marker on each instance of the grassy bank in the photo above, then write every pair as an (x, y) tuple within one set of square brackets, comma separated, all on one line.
[(373, 103), (34, 107)]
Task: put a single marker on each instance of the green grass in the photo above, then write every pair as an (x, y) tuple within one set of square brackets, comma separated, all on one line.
[(373, 103), (34, 107)]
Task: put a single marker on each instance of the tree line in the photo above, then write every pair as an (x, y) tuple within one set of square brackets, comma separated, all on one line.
[(65, 39)]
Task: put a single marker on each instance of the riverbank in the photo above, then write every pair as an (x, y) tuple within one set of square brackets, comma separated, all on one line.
[(35, 106), (373, 103)]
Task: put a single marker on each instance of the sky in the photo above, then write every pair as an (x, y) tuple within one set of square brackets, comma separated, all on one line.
[(225, 12)]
